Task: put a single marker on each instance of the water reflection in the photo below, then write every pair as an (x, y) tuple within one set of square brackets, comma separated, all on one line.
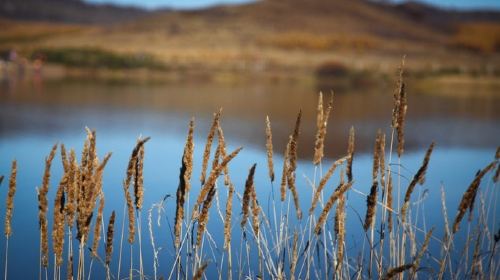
[(67, 106), (33, 117)]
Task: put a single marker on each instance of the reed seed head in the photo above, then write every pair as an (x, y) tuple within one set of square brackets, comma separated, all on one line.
[(269, 149), (324, 180), (469, 194), (10, 199), (109, 238), (341, 189), (284, 180), (322, 119), (227, 219), (417, 178), (97, 226), (199, 272), (247, 194), (350, 153), (214, 174), (58, 221), (208, 145), (340, 231)]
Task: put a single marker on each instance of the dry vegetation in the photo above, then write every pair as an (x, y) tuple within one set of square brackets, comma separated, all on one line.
[(273, 243), (253, 39), (480, 37)]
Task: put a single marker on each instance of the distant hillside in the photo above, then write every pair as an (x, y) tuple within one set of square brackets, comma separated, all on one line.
[(67, 11), (306, 36)]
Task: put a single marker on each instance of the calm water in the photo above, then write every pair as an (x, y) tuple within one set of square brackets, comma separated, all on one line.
[(34, 116)]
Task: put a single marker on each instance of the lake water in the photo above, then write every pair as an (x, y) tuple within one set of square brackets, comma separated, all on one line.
[(35, 115)]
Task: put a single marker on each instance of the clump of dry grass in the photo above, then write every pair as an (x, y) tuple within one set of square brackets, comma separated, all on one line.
[(419, 177), (10, 199), (470, 193), (269, 149)]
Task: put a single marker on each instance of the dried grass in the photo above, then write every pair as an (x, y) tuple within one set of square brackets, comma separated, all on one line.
[(269, 149), (10, 199), (469, 195), (109, 238), (419, 177), (341, 189)]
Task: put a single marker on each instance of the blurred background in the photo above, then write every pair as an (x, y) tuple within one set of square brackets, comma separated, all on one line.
[(129, 67), (126, 63)]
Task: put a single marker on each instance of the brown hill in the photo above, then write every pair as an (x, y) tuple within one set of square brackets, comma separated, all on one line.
[(297, 35), (67, 11)]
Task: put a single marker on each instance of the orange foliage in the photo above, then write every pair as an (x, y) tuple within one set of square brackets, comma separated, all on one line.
[(482, 37)]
